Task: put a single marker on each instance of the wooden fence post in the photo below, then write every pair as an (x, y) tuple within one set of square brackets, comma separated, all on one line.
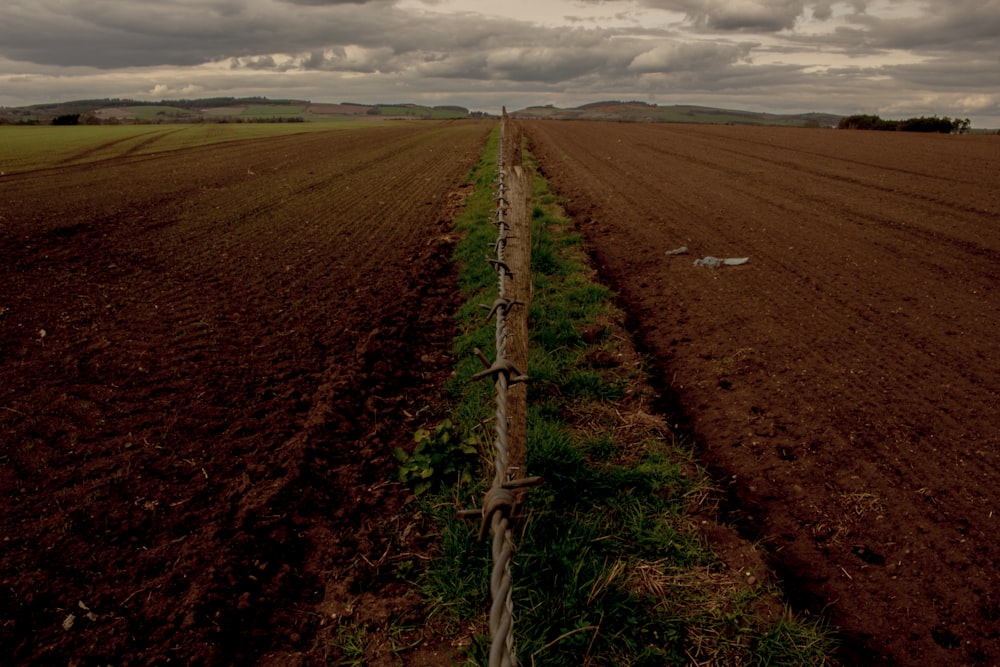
[(518, 255)]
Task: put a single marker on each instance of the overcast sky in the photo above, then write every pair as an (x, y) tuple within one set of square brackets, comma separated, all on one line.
[(896, 58)]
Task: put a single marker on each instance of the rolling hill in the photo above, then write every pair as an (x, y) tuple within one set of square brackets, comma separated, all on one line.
[(644, 112)]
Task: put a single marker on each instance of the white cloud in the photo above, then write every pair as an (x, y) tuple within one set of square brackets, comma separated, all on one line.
[(688, 56)]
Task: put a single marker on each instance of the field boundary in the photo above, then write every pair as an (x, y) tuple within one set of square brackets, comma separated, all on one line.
[(613, 562), (512, 264)]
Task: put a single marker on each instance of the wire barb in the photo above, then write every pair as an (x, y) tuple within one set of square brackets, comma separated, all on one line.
[(505, 367), (501, 306), (500, 264)]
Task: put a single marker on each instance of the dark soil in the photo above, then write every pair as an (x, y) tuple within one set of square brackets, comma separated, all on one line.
[(844, 385), (206, 359)]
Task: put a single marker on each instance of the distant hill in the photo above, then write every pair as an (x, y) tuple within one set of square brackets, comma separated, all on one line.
[(645, 112), (262, 109), (220, 110)]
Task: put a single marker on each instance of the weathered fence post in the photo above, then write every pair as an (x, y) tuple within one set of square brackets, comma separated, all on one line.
[(518, 253), (505, 496)]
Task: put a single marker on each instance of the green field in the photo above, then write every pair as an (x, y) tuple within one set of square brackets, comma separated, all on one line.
[(417, 111), (274, 111), (160, 112), (256, 111), (26, 148)]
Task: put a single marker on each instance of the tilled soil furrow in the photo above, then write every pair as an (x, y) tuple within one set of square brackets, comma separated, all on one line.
[(224, 370), (843, 383)]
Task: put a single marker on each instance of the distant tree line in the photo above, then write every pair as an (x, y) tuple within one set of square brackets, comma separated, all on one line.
[(207, 102), (258, 119), (944, 125), (67, 119), (99, 103)]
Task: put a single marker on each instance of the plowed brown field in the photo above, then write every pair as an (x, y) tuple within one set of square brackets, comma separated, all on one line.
[(844, 383), (206, 357)]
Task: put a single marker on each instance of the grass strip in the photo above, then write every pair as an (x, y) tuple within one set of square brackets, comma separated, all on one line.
[(611, 567)]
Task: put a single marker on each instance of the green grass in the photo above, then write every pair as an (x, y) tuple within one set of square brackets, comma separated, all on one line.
[(609, 568), (357, 641), (26, 148)]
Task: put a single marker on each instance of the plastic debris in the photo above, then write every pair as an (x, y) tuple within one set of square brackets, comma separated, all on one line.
[(683, 250), (716, 262)]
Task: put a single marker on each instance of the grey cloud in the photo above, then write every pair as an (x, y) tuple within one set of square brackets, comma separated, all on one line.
[(552, 63), (960, 26), (736, 15), (951, 74), (258, 63), (766, 15), (113, 34), (823, 10), (752, 15), (739, 79), (525, 55), (327, 3), (341, 59), (965, 25), (471, 47), (465, 66)]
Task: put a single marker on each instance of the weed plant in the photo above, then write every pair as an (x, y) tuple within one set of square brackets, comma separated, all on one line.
[(610, 568)]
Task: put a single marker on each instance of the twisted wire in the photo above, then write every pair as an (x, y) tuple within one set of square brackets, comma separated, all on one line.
[(499, 506)]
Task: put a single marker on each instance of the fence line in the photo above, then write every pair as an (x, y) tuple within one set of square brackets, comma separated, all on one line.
[(502, 499)]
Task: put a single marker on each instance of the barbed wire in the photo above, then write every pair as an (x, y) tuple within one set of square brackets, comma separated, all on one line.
[(500, 501)]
